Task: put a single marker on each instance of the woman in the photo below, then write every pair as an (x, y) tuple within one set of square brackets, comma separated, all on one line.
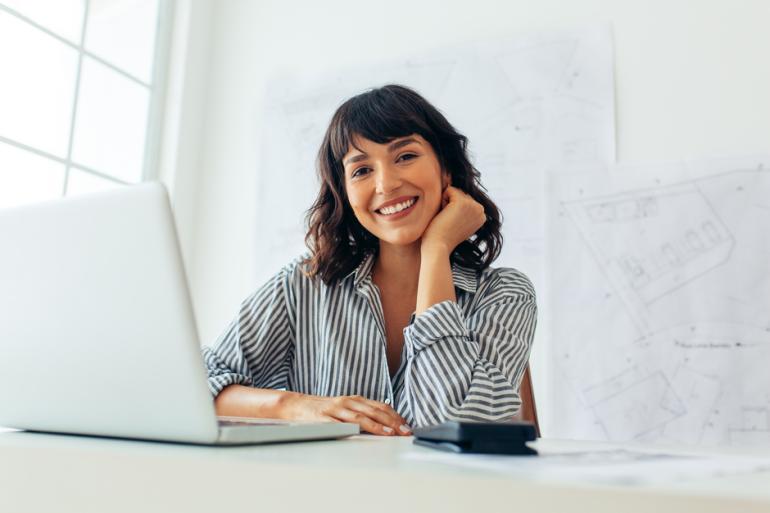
[(395, 318)]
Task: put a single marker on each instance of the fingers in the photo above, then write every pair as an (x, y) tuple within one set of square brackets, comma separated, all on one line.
[(384, 414), (383, 421), (365, 422), (385, 407), (372, 416), (452, 192), (473, 207)]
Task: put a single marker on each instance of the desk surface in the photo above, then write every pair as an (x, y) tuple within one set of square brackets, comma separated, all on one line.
[(41, 472)]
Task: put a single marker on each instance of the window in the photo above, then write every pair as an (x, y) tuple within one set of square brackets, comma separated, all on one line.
[(80, 95)]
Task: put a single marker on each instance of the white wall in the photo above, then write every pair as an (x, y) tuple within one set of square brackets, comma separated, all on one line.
[(184, 111), (692, 78)]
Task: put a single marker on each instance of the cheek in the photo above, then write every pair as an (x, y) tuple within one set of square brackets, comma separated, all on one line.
[(433, 199), (358, 203)]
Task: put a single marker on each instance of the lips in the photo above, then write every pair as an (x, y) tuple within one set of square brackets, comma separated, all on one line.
[(394, 203), (398, 208)]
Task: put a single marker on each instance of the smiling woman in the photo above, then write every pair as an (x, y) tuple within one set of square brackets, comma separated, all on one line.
[(395, 318)]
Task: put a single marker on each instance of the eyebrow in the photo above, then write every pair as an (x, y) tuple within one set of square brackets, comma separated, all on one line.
[(391, 148)]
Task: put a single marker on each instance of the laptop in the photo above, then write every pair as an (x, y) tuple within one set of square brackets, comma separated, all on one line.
[(97, 334)]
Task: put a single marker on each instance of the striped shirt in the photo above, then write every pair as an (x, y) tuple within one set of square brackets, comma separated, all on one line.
[(461, 360)]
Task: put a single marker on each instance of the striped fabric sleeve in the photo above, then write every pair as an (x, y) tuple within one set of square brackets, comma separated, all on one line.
[(256, 347), (470, 367)]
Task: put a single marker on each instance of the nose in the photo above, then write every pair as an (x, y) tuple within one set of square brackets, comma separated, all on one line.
[(387, 180)]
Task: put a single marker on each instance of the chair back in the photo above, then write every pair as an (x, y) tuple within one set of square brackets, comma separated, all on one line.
[(528, 411)]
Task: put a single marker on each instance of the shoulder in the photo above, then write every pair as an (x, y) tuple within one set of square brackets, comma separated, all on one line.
[(287, 282), (293, 275), (294, 268), (505, 282)]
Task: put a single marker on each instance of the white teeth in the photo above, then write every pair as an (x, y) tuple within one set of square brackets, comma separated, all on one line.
[(397, 207)]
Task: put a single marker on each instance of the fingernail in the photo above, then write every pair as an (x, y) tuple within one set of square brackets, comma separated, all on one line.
[(387, 429), (404, 428)]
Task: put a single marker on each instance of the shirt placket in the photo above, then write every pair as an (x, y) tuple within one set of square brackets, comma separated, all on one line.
[(372, 295)]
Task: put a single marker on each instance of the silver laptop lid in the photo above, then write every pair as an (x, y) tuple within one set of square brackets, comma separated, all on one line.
[(96, 327)]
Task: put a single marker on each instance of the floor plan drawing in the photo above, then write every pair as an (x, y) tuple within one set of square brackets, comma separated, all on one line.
[(654, 259), (753, 426), (638, 408), (659, 286)]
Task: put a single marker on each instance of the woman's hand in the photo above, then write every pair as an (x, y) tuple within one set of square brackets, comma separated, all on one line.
[(373, 416), (459, 218)]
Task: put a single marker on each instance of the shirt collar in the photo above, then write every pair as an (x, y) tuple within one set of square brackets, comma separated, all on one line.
[(363, 270), (464, 278)]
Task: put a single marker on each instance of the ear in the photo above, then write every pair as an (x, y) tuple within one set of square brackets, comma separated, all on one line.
[(446, 179)]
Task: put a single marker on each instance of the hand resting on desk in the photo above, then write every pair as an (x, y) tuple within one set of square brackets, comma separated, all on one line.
[(372, 416)]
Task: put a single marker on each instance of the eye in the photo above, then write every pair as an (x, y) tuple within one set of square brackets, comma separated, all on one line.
[(361, 171), (406, 156)]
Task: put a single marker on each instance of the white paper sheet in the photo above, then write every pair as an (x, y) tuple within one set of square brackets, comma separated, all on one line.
[(660, 302), (607, 467)]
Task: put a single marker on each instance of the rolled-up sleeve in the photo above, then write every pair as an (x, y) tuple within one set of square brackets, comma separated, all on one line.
[(468, 366), (255, 347)]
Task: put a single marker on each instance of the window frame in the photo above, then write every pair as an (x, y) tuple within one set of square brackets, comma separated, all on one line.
[(156, 88)]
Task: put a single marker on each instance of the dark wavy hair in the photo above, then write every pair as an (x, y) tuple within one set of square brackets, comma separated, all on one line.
[(336, 239)]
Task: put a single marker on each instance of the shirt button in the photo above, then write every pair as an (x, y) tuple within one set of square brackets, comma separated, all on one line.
[(387, 400)]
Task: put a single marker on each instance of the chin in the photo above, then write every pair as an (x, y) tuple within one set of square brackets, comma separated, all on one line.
[(401, 239)]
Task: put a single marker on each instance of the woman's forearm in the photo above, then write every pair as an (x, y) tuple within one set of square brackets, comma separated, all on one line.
[(373, 416), (435, 283), (243, 401)]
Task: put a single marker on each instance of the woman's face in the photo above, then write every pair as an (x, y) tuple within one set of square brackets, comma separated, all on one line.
[(394, 188)]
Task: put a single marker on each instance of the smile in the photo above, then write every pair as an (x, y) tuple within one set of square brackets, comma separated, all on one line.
[(398, 210)]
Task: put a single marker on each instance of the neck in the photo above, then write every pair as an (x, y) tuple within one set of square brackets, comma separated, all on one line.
[(399, 266)]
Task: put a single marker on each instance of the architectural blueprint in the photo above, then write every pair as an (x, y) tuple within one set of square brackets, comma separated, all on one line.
[(659, 312), (524, 102)]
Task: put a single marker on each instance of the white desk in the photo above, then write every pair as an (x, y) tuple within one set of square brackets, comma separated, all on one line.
[(362, 474)]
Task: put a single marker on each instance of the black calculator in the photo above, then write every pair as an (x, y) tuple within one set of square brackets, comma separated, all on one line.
[(478, 437)]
